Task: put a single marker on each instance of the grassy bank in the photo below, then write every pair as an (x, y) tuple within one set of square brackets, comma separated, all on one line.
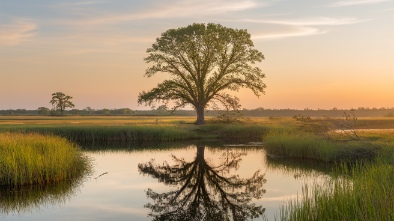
[(299, 144), (367, 194), (362, 190), (28, 159), (109, 130), (107, 134)]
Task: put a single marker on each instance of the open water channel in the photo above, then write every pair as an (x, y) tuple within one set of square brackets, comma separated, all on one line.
[(185, 182)]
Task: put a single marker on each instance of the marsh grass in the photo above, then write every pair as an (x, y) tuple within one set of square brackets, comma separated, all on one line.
[(238, 131), (299, 144), (27, 159), (367, 194), (109, 133), (242, 131), (362, 184), (140, 134)]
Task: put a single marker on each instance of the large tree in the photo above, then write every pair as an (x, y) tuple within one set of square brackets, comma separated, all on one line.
[(204, 62), (60, 101)]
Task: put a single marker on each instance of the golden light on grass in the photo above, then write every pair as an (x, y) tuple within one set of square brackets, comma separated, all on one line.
[(28, 159)]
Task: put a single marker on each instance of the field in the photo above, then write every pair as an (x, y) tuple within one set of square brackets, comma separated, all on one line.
[(362, 123), (360, 152), (133, 129)]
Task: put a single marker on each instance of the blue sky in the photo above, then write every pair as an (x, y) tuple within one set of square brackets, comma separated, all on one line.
[(319, 54)]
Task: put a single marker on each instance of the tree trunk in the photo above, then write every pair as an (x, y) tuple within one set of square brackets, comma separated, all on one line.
[(200, 153), (200, 115)]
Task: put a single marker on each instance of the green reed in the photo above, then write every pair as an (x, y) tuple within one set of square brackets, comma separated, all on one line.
[(109, 133), (299, 144), (367, 193), (27, 159)]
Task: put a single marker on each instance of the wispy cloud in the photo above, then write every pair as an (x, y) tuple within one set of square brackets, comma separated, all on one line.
[(316, 21), (18, 31), (302, 26), (214, 7), (82, 3), (289, 32), (357, 2), (175, 9)]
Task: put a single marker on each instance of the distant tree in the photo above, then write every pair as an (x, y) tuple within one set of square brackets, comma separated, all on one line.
[(88, 110), (43, 111), (60, 101), (104, 111), (122, 111), (162, 110), (204, 61)]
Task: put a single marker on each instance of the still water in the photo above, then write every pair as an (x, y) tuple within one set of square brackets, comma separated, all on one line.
[(192, 182)]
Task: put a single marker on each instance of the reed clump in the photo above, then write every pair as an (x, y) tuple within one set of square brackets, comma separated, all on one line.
[(109, 133), (247, 132), (27, 159), (300, 144), (367, 193)]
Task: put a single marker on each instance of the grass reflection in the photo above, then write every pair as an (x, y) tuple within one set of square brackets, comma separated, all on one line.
[(33, 197), (299, 168)]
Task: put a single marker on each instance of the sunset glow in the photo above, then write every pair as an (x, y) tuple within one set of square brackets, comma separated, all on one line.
[(318, 54)]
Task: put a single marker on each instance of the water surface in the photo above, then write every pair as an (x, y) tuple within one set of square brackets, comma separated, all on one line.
[(135, 184)]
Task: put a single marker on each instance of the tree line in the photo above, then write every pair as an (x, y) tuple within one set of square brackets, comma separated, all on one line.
[(258, 112)]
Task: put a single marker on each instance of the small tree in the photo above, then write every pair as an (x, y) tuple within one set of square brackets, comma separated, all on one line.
[(204, 61), (60, 101)]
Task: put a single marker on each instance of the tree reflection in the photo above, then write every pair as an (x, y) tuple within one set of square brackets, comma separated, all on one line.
[(205, 192)]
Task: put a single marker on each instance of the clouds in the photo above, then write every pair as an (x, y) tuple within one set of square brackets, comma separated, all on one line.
[(165, 10), (73, 4), (289, 32), (312, 21), (17, 31), (246, 12), (357, 2), (298, 27)]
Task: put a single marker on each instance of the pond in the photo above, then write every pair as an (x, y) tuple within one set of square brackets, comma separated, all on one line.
[(178, 183)]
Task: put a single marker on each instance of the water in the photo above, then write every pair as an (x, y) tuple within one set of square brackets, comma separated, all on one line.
[(215, 178)]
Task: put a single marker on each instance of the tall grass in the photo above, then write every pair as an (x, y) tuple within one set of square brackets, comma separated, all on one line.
[(362, 190), (27, 159), (247, 132), (108, 133), (299, 144), (368, 195)]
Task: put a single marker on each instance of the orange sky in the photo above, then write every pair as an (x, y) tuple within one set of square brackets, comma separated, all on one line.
[(319, 54)]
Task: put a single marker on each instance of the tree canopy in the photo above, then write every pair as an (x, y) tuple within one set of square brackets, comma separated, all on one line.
[(204, 61), (60, 101)]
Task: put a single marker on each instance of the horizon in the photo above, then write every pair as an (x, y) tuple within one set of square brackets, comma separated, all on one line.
[(207, 109), (318, 55)]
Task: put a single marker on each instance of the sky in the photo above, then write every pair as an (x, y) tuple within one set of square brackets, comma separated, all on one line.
[(318, 53)]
